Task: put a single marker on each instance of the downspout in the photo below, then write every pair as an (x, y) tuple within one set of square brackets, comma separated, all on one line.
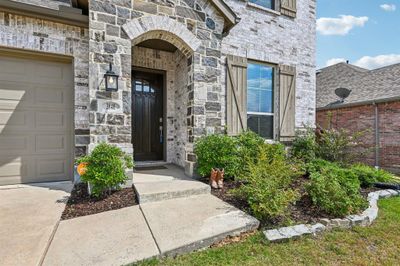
[(377, 158)]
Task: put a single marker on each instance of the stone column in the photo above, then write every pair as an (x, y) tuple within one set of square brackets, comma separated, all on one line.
[(110, 112)]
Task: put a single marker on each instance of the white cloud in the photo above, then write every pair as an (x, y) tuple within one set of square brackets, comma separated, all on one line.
[(334, 61), (339, 26), (373, 62), (388, 7)]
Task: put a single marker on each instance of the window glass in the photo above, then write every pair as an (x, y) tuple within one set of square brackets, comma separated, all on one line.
[(264, 3), (138, 85), (260, 95)]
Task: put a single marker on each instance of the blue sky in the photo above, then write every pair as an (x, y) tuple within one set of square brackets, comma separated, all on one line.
[(365, 32)]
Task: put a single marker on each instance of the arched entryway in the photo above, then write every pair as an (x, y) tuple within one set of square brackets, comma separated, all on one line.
[(162, 71)]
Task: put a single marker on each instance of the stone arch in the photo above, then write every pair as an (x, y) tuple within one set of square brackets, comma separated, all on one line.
[(162, 28)]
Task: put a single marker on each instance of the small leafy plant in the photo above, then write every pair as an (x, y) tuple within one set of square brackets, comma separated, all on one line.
[(217, 151), (106, 167), (369, 175), (334, 145), (334, 189), (267, 188)]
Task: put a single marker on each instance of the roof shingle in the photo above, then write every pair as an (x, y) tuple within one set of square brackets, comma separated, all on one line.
[(365, 85)]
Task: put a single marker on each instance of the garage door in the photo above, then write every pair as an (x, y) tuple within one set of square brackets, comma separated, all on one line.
[(36, 108)]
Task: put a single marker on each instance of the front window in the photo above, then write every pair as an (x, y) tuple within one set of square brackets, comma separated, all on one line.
[(264, 3), (260, 103)]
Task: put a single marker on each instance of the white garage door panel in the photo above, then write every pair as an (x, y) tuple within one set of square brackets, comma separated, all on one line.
[(36, 127)]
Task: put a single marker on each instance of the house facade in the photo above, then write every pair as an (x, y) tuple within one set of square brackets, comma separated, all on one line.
[(186, 68), (372, 107)]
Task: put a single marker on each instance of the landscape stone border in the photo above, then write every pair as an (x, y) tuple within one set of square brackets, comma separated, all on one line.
[(366, 218)]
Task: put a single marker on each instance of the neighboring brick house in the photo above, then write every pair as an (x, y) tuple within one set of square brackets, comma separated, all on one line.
[(186, 68), (373, 105)]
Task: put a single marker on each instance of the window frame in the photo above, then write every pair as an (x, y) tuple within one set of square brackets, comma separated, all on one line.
[(275, 6), (275, 93)]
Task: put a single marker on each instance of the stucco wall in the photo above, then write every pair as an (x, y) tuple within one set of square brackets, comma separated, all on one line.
[(45, 36)]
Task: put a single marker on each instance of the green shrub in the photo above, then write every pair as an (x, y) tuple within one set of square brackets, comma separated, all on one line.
[(369, 175), (106, 168), (334, 145), (304, 146), (218, 151), (267, 186), (334, 189), (249, 145)]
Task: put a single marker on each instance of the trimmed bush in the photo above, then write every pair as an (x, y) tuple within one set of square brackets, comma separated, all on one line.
[(334, 145), (304, 146), (267, 185), (369, 175), (334, 189), (106, 168), (218, 151), (249, 145)]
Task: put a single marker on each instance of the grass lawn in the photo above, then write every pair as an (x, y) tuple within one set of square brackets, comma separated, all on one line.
[(378, 244)]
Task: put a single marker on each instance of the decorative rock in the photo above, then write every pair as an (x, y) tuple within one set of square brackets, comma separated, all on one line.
[(325, 221), (317, 228), (302, 229), (273, 235), (341, 223), (371, 213), (393, 192), (365, 219), (289, 232), (358, 220), (384, 194)]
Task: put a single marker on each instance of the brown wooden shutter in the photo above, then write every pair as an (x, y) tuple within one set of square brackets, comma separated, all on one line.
[(287, 98), (236, 95), (288, 8)]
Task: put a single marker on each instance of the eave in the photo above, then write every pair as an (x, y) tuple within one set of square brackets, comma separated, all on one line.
[(229, 15), (67, 15), (360, 103)]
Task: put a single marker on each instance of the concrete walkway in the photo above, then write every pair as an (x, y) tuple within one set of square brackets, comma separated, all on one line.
[(29, 215), (169, 224)]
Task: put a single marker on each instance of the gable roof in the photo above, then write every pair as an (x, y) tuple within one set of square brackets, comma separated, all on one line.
[(231, 19), (366, 85)]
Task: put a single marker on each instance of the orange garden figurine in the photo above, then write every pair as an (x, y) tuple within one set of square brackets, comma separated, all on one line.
[(82, 168), (213, 178), (217, 178)]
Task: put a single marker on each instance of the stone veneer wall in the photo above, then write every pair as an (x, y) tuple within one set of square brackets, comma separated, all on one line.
[(45, 36), (269, 37), (175, 67), (109, 43)]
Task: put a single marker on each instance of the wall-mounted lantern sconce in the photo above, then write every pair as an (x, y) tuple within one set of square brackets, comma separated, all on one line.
[(111, 80)]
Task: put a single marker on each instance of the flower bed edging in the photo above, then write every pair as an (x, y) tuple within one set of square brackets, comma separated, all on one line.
[(366, 218)]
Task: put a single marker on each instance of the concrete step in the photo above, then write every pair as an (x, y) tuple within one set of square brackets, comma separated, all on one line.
[(166, 182), (185, 224), (163, 190)]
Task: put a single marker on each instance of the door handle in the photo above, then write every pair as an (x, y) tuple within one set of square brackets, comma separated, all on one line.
[(161, 134)]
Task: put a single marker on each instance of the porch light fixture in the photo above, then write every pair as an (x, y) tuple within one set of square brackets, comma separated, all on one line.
[(111, 80)]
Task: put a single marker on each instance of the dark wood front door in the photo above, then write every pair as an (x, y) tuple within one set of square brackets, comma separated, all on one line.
[(147, 118)]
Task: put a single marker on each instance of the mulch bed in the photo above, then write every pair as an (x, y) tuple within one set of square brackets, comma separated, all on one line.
[(81, 204), (303, 211)]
